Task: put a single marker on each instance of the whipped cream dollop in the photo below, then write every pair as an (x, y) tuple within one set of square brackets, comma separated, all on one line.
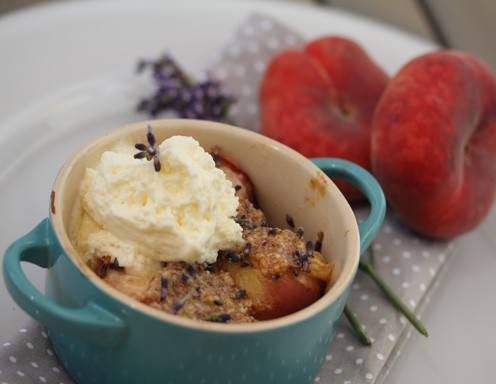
[(185, 212)]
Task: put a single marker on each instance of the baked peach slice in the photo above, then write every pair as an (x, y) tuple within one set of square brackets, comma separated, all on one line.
[(280, 273), (240, 180)]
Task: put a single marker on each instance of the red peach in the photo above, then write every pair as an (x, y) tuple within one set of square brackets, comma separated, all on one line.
[(434, 143), (320, 101), (276, 298)]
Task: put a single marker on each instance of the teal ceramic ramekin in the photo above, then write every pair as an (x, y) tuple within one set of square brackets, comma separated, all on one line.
[(102, 336)]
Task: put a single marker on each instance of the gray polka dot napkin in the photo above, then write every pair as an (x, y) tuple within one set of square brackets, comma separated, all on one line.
[(29, 358), (243, 61), (411, 265)]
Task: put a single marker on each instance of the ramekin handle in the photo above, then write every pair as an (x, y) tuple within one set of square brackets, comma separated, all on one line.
[(367, 184), (91, 321)]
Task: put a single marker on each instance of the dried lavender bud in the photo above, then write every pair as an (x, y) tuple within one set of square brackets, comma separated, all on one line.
[(102, 270), (300, 232), (184, 278), (290, 221), (244, 222), (318, 243), (241, 294), (180, 303), (297, 259), (301, 261), (151, 137), (247, 225), (232, 256), (177, 306), (222, 318), (156, 164), (164, 288), (218, 302), (309, 248), (115, 265), (150, 151), (191, 270), (210, 267), (102, 267)]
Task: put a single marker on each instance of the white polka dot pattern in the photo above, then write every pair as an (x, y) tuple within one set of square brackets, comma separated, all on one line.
[(243, 62), (30, 359), (411, 266)]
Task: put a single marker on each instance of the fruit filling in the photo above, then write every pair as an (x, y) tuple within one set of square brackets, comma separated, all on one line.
[(258, 273)]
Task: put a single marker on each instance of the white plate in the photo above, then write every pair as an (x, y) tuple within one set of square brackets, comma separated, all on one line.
[(67, 74)]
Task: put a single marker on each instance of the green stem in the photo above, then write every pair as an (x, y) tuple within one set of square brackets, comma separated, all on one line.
[(372, 255), (357, 327), (393, 297)]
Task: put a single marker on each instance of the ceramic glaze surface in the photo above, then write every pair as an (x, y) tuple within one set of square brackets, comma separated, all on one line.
[(102, 336)]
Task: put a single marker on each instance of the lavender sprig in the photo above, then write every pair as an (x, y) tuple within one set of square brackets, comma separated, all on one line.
[(357, 326), (175, 91), (150, 151), (393, 298)]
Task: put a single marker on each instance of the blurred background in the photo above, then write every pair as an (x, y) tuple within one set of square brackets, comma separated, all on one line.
[(463, 24)]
